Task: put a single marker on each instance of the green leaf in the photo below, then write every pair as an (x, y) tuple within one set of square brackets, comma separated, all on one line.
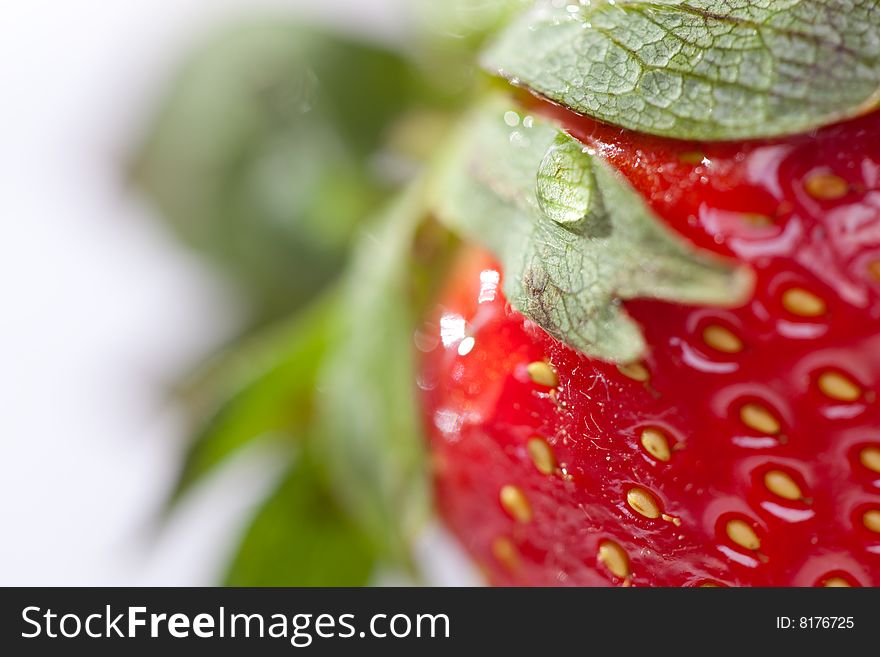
[(466, 19), (362, 422), (263, 155), (263, 388), (710, 69), (573, 237), (371, 437), (300, 537)]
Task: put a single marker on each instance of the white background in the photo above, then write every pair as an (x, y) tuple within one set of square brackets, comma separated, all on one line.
[(100, 309)]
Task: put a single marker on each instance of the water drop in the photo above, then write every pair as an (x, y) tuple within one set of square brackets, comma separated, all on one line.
[(565, 183)]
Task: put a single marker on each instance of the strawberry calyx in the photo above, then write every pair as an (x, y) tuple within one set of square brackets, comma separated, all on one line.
[(575, 239)]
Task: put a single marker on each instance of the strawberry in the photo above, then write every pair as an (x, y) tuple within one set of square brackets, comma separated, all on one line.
[(744, 449)]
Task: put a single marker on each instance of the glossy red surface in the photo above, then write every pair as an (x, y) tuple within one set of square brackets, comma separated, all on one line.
[(763, 203)]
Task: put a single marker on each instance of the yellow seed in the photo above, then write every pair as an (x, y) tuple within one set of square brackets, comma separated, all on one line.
[(870, 458), (635, 371), (643, 503), (615, 558), (505, 552), (839, 387), (871, 520), (799, 301), (709, 585), (757, 417), (781, 484), (874, 269), (722, 339), (836, 582), (541, 455), (515, 502), (741, 533), (542, 374), (656, 444), (758, 220), (692, 157), (826, 186)]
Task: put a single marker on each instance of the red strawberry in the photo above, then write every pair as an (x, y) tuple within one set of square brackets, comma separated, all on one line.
[(745, 449)]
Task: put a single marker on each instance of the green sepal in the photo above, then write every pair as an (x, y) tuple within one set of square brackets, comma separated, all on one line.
[(699, 69), (574, 239)]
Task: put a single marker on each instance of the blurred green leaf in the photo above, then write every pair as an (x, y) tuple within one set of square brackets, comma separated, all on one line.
[(300, 537), (449, 36), (371, 437), (467, 20), (262, 388), (273, 145), (263, 155), (342, 374)]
